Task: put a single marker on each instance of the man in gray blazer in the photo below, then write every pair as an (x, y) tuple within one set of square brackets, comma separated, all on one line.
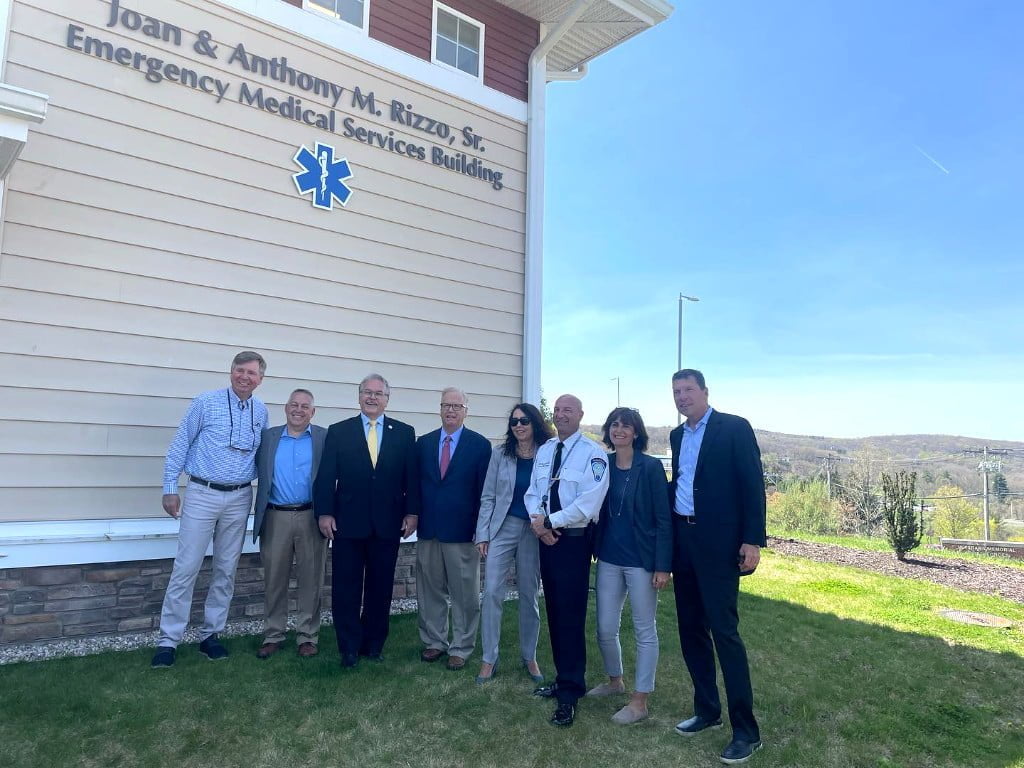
[(287, 461)]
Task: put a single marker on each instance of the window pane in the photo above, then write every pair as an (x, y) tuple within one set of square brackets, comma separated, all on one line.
[(468, 61), (351, 11), (446, 51), (447, 25), (469, 35), (323, 5)]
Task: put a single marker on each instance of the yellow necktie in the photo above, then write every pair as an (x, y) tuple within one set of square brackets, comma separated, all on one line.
[(371, 441)]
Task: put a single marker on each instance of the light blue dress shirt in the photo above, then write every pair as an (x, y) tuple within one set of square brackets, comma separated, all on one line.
[(455, 441), (689, 450), (293, 469), (216, 440)]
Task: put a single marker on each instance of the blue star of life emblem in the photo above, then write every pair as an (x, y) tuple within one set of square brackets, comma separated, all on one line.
[(322, 176)]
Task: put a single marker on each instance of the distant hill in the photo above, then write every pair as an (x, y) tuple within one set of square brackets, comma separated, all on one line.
[(944, 462)]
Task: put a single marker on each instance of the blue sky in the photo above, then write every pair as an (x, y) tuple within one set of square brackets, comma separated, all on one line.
[(770, 159)]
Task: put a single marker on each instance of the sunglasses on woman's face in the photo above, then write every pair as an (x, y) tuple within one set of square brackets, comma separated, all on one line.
[(522, 421)]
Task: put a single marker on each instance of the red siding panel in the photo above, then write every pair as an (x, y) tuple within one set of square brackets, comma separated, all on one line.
[(509, 37)]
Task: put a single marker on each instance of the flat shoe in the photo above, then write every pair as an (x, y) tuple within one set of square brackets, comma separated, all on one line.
[(606, 689), (267, 650), (430, 655), (456, 663), (627, 716)]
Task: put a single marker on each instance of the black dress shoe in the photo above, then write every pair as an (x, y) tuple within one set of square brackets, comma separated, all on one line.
[(349, 660), (696, 724), (739, 751), (546, 691), (564, 715), (373, 656)]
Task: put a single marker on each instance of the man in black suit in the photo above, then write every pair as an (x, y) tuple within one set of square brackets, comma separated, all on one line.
[(453, 464), (366, 499), (717, 496)]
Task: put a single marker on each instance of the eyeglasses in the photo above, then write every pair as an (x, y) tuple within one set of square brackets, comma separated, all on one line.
[(452, 406), (522, 421), (373, 393)]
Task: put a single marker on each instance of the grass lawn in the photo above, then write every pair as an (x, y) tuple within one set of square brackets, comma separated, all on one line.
[(850, 669), (876, 544)]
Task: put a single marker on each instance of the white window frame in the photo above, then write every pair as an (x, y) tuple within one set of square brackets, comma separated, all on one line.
[(479, 76), (319, 11)]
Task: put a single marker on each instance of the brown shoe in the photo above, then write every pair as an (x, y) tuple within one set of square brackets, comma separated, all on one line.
[(456, 663), (308, 649), (267, 650), (430, 655)]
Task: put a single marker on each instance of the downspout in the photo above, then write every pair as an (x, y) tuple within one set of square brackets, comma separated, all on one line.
[(534, 265)]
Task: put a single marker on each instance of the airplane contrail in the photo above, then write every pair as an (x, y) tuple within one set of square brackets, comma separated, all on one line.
[(932, 160)]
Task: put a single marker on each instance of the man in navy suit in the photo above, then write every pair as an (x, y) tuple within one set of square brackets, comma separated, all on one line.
[(453, 464), (366, 499), (717, 496)]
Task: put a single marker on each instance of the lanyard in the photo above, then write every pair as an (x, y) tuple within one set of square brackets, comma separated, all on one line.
[(553, 480)]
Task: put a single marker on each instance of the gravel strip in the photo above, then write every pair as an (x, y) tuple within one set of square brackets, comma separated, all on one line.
[(966, 575), (89, 646)]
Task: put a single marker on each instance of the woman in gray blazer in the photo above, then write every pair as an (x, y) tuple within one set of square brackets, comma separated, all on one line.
[(633, 545), (503, 535)]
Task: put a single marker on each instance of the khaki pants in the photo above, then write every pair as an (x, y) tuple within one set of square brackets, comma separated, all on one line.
[(443, 571), (287, 535)]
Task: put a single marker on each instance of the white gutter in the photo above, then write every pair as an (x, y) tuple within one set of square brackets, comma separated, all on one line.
[(533, 268)]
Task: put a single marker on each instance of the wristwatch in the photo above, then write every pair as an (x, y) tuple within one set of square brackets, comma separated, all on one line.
[(547, 522)]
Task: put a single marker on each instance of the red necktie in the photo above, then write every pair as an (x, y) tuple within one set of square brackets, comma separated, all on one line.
[(446, 455)]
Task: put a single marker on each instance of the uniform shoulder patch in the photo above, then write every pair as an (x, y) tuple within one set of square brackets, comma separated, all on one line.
[(598, 467)]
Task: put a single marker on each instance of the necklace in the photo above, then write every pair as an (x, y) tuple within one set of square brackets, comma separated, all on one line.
[(625, 487), (526, 454)]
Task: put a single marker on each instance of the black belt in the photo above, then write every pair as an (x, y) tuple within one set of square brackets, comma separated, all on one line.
[(575, 531), (291, 507), (218, 486), (686, 519)]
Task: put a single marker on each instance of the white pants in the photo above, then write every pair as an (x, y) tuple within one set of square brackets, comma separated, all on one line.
[(206, 515), (614, 582)]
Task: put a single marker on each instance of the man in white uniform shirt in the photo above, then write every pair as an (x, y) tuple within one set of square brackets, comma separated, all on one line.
[(568, 485)]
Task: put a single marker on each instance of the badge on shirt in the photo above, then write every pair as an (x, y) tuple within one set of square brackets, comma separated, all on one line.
[(598, 466)]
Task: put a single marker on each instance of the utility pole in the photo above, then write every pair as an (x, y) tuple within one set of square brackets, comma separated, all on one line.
[(827, 462), (679, 344), (618, 392), (985, 466)]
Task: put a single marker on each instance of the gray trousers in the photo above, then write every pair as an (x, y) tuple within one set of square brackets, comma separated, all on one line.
[(614, 582), (206, 515), (448, 570), (286, 535), (514, 542)]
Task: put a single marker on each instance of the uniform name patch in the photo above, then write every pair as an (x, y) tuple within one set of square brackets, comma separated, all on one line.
[(598, 466)]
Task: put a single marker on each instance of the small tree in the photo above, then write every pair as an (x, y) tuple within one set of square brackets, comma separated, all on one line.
[(903, 528), (1000, 488), (955, 517)]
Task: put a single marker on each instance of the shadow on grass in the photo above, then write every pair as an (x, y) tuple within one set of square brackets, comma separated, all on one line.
[(830, 692)]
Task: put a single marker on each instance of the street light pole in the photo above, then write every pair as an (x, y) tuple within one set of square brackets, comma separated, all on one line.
[(679, 338), (618, 391)]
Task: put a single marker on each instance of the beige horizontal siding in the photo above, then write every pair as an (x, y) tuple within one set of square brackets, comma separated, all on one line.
[(151, 233)]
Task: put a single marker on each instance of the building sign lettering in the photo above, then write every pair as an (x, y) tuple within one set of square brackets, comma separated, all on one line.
[(442, 145)]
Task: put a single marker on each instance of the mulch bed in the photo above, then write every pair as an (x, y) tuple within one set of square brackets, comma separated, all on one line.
[(959, 574)]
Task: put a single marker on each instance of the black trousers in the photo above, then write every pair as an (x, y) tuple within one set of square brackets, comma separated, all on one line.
[(709, 624), (363, 576), (565, 571)]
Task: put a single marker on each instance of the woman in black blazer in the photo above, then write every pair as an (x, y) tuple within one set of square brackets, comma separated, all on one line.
[(634, 557)]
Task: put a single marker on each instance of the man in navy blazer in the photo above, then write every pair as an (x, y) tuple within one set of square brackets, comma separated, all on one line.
[(718, 500), (366, 499), (452, 465)]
